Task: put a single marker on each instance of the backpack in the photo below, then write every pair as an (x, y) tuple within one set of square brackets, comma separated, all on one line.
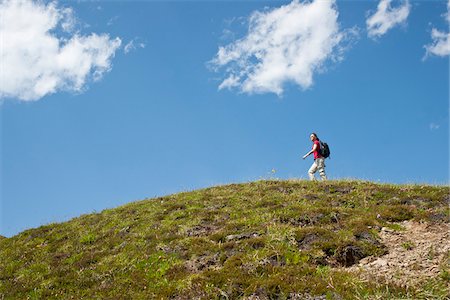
[(324, 149)]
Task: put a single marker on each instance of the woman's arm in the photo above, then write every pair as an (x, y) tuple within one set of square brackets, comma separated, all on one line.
[(310, 152)]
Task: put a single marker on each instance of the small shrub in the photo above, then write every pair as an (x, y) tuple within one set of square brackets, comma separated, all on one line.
[(88, 238)]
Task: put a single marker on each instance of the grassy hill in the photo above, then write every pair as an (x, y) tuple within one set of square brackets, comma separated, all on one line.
[(258, 240)]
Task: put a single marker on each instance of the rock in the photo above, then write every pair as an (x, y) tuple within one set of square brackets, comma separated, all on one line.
[(306, 296), (232, 237), (124, 231), (388, 230)]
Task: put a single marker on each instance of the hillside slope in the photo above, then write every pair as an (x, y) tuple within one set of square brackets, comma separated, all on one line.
[(258, 240)]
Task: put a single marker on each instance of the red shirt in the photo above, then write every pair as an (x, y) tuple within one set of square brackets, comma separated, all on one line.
[(316, 153)]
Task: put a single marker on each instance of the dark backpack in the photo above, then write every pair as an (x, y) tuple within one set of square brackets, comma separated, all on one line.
[(324, 149)]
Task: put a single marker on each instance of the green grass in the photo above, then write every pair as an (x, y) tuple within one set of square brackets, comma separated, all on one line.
[(274, 239), (408, 245)]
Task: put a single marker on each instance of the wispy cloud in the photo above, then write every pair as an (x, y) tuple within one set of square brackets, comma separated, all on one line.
[(441, 40), (133, 45), (386, 17), (37, 62), (434, 126), (112, 21), (285, 44)]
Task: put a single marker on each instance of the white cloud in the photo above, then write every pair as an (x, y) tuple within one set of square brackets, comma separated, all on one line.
[(440, 45), (285, 44), (36, 62), (132, 45), (69, 20), (441, 40), (387, 17)]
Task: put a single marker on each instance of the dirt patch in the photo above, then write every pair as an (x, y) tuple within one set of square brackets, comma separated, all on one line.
[(306, 242), (285, 190), (339, 190), (415, 254), (311, 197), (201, 230), (198, 264), (348, 255), (309, 220)]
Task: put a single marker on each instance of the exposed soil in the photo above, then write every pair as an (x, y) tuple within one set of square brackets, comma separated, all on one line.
[(201, 230), (415, 254)]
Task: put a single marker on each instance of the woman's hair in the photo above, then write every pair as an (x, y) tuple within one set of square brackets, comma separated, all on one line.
[(315, 135)]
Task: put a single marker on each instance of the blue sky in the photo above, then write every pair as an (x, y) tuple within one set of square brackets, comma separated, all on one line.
[(148, 117)]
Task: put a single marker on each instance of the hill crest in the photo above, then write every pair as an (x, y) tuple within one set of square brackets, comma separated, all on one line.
[(266, 239)]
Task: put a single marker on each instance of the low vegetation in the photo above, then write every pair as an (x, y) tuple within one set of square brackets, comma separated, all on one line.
[(263, 240)]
